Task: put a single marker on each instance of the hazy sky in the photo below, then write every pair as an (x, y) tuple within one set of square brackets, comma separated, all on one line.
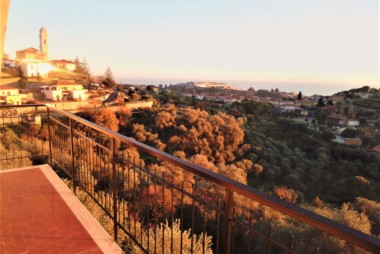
[(320, 43)]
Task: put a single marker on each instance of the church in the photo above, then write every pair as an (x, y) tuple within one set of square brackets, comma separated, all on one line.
[(35, 54), (34, 62)]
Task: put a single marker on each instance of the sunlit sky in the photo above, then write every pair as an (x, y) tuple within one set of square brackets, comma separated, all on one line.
[(290, 44)]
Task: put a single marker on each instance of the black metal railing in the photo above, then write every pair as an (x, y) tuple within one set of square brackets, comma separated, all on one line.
[(161, 203)]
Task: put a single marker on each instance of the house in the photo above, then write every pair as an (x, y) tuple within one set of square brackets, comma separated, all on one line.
[(10, 95), (35, 68), (230, 99), (64, 90), (212, 85), (115, 98), (335, 98), (288, 108), (63, 64), (7, 62), (152, 88), (336, 119)]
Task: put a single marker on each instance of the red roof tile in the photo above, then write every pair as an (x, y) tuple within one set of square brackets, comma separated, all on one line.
[(376, 149), (29, 50)]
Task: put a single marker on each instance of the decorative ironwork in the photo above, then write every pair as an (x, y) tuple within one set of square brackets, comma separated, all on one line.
[(137, 186)]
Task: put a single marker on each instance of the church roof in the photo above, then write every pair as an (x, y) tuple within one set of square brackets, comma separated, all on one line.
[(43, 29), (29, 50)]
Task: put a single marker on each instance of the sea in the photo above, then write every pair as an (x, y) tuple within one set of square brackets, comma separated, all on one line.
[(305, 88)]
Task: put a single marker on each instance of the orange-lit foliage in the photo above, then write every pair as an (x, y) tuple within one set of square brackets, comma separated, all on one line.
[(289, 195), (147, 137), (195, 131), (104, 117), (124, 115)]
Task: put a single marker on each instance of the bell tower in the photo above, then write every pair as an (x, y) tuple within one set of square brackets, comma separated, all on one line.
[(43, 43)]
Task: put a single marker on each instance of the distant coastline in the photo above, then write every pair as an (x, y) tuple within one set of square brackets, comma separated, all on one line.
[(306, 88)]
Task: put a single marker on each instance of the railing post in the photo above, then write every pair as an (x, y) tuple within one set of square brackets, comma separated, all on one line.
[(114, 188), (228, 222), (73, 172), (50, 139)]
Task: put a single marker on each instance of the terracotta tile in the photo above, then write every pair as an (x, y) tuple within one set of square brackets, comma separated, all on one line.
[(35, 219)]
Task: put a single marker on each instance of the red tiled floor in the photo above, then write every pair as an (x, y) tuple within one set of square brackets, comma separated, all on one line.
[(35, 218)]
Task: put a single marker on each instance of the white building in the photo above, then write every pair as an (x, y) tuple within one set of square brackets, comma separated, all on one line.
[(352, 123), (64, 90), (35, 68)]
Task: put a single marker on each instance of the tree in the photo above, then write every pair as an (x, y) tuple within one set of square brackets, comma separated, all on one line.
[(104, 117), (320, 102), (86, 67), (82, 69), (363, 120), (108, 79), (299, 96), (372, 210), (287, 194), (349, 133), (321, 116)]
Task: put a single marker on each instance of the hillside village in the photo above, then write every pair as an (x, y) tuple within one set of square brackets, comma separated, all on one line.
[(319, 153), (348, 117)]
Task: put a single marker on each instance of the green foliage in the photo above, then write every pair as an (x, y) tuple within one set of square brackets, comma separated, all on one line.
[(321, 116), (255, 107), (312, 167)]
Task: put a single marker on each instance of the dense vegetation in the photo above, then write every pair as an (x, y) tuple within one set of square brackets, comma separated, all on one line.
[(273, 154), (281, 157)]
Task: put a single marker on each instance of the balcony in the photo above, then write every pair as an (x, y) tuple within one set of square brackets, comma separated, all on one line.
[(153, 202)]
